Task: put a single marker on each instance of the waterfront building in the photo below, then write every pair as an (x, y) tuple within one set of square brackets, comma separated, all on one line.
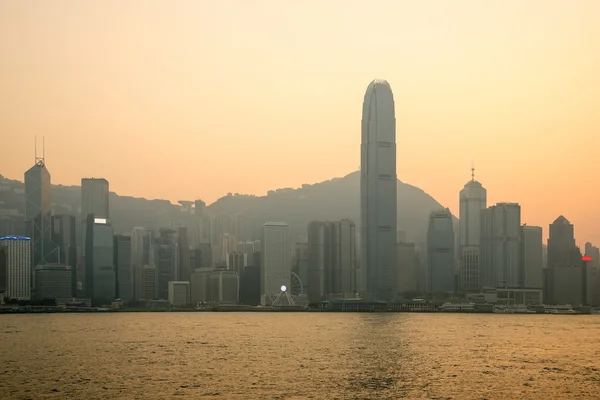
[(124, 272), (500, 256), (440, 252), (224, 286), (565, 275), (378, 191), (276, 260), (532, 259), (100, 279), (165, 260), (179, 293), (473, 199), (53, 281), (17, 260)]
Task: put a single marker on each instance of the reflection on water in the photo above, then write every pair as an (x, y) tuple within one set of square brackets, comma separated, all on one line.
[(299, 356)]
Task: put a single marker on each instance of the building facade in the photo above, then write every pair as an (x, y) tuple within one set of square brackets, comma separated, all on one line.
[(179, 293), (500, 254), (531, 253), (100, 279), (276, 260), (165, 260), (378, 191), (440, 252), (565, 275), (95, 198), (124, 271), (408, 270), (38, 214), (473, 199), (64, 234), (17, 250), (53, 281)]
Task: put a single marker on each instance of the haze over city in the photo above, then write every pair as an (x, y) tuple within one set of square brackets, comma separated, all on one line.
[(198, 99)]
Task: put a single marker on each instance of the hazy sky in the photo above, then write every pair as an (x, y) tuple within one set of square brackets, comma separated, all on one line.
[(193, 99)]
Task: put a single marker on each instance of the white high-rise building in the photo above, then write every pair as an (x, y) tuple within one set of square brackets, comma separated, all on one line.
[(276, 261), (473, 199), (378, 194), (18, 266)]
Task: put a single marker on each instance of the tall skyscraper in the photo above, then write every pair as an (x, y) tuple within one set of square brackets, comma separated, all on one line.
[(331, 259), (473, 199), (184, 258), (276, 260), (301, 264), (408, 269), (165, 260), (565, 272), (531, 253), (440, 252), (64, 234), (500, 259), (94, 198), (594, 252), (142, 240), (100, 280), (38, 210), (378, 193), (319, 260), (124, 271), (17, 250)]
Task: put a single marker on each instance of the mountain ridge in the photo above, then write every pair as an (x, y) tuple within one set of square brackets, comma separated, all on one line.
[(332, 199)]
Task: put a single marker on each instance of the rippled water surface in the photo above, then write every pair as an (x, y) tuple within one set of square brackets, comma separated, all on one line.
[(299, 356)]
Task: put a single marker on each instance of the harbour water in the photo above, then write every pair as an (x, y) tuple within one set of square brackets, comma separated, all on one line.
[(299, 356)]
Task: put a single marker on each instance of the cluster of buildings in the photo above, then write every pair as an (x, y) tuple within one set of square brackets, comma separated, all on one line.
[(205, 260)]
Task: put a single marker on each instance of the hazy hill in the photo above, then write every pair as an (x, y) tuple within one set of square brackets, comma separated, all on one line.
[(330, 200)]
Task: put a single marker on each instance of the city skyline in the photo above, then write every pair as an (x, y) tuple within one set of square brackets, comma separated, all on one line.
[(508, 91)]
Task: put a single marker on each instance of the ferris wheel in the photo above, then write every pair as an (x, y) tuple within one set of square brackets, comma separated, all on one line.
[(289, 293), (296, 288)]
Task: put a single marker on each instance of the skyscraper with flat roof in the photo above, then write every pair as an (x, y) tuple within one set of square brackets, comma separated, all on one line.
[(440, 252), (500, 260), (378, 191), (94, 198), (276, 260), (18, 266)]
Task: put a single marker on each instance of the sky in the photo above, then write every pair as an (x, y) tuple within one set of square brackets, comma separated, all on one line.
[(194, 99)]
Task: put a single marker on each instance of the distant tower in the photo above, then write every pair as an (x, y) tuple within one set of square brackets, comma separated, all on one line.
[(276, 261), (440, 252), (565, 272), (473, 199), (500, 260), (38, 211), (94, 198), (378, 193)]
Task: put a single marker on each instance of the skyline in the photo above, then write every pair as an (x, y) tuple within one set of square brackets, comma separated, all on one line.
[(511, 87)]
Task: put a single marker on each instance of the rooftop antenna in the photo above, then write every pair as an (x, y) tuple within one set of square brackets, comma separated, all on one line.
[(472, 171), (39, 160)]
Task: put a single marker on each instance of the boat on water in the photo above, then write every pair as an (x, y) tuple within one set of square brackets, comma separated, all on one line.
[(564, 311), (513, 310)]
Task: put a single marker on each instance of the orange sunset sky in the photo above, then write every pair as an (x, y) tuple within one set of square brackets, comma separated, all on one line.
[(194, 99)]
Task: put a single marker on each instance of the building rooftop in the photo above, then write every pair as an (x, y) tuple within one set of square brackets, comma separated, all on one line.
[(14, 238), (276, 224)]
